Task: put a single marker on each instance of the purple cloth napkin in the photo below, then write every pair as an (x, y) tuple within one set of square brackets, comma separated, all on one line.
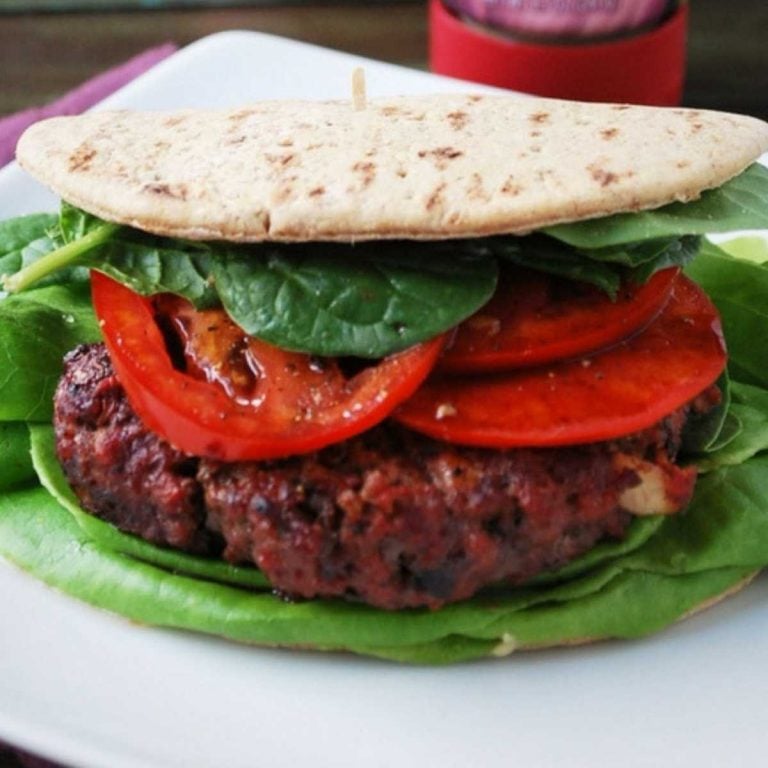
[(79, 99)]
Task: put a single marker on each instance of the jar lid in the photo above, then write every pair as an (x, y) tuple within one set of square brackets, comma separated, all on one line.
[(646, 68)]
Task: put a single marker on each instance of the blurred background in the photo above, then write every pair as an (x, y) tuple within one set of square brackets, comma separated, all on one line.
[(49, 46)]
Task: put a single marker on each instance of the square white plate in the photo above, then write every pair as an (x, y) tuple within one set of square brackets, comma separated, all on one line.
[(90, 689)]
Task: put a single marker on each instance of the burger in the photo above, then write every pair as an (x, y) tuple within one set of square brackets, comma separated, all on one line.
[(428, 378)]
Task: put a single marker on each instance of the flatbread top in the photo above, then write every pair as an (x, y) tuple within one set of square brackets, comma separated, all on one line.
[(413, 167)]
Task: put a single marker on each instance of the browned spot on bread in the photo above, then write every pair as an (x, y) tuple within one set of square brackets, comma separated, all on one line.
[(602, 176), (539, 117), (408, 114), (315, 145), (476, 191), (366, 171), (682, 164), (458, 119), (285, 143), (441, 155), (80, 159), (162, 189), (173, 120), (609, 133), (401, 172), (284, 193), (474, 98), (511, 187), (620, 107), (317, 192), (240, 115), (696, 127), (535, 134), (236, 140), (436, 197), (283, 160)]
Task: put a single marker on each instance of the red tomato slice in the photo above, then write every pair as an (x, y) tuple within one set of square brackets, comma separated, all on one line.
[(535, 318), (614, 393), (295, 406)]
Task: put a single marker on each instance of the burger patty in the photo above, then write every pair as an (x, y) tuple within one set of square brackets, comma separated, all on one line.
[(390, 517)]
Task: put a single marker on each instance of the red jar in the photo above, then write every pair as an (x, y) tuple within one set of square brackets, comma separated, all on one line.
[(643, 68)]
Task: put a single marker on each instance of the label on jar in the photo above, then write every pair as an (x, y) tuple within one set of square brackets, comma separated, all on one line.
[(564, 18)]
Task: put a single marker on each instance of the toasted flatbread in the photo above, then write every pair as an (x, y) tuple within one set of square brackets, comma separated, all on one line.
[(413, 167)]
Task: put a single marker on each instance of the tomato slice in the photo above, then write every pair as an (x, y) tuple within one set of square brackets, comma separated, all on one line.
[(614, 393), (534, 318), (291, 404)]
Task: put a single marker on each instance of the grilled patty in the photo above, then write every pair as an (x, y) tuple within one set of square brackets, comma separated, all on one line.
[(391, 518)]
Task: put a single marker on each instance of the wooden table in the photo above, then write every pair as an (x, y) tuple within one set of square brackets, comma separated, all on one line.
[(43, 55)]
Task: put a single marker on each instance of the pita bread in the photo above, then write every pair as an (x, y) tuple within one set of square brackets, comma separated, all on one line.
[(413, 167)]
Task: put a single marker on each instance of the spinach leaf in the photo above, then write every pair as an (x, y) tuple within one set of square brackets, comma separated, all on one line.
[(664, 254), (17, 234), (606, 268), (37, 328), (74, 223), (364, 300), (149, 265), (49, 265), (546, 254), (741, 203)]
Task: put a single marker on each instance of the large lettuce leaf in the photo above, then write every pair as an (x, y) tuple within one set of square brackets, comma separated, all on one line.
[(620, 599), (15, 460)]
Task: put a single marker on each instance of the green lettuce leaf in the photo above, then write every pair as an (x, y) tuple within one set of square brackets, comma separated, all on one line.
[(46, 465), (675, 571), (704, 433), (15, 461), (749, 407), (739, 290)]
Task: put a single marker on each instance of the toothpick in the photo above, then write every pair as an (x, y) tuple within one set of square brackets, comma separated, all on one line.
[(358, 89)]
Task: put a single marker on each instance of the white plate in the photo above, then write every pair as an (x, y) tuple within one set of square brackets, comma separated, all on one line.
[(90, 689)]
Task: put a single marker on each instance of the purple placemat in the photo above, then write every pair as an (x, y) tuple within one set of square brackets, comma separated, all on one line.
[(79, 99), (11, 127)]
